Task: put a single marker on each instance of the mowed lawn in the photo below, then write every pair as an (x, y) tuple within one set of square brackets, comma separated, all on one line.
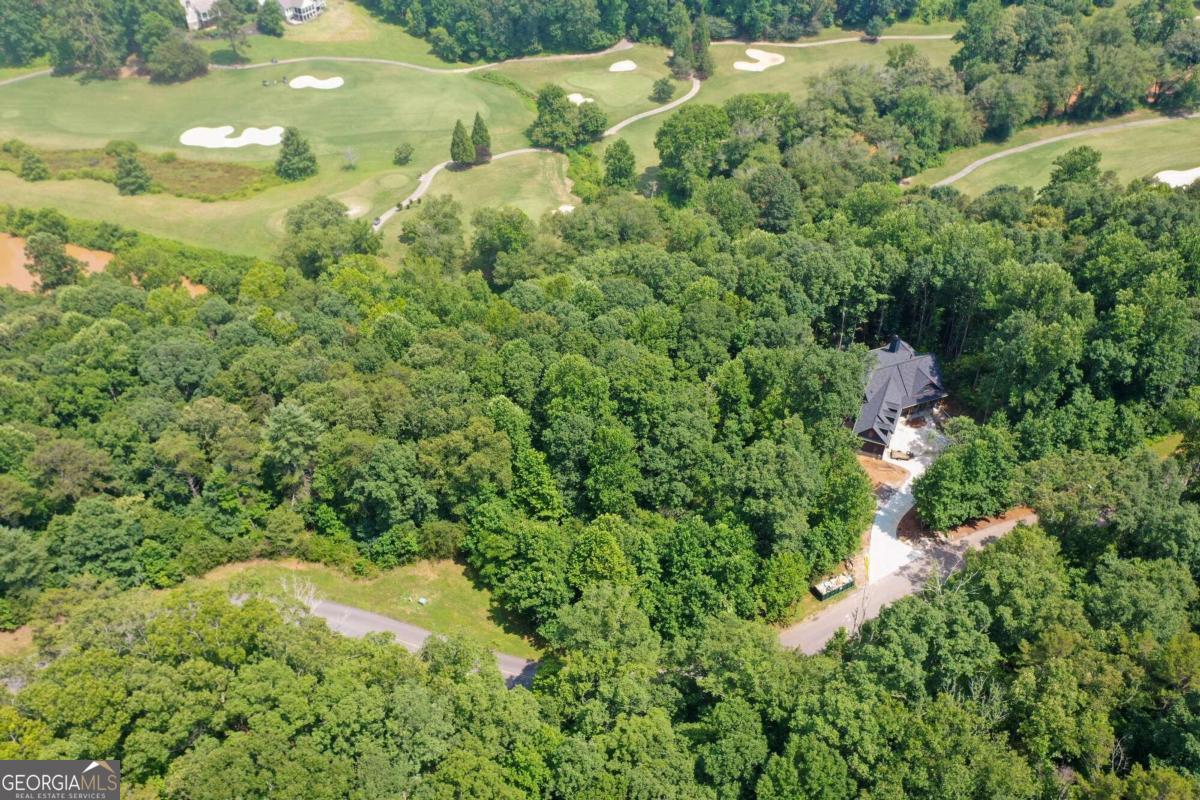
[(454, 605), (620, 94), (345, 29), (378, 108), (1130, 152)]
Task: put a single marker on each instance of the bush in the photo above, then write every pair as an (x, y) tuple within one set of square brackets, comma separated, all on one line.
[(120, 147), (663, 90), (402, 154), (33, 168), (270, 19), (132, 177), (168, 157), (177, 60)]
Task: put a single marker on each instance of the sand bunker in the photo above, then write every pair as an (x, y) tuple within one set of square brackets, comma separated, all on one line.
[(214, 138), (309, 82), (762, 60), (623, 66), (566, 208), (1178, 177), (578, 99)]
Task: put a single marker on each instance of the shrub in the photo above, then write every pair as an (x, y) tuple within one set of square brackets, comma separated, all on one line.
[(33, 168), (120, 147), (168, 157), (132, 177), (402, 154), (270, 19), (663, 90), (176, 60)]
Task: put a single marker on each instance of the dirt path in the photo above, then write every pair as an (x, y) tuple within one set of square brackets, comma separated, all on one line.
[(936, 559), (620, 46), (1012, 151)]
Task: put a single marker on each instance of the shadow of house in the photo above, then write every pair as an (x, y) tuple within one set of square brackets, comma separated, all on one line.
[(903, 382)]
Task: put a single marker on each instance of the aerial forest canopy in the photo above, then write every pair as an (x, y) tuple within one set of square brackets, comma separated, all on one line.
[(627, 422)]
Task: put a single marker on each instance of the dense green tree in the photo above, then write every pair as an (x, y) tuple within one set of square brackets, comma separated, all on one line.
[(131, 176), (176, 59), (619, 166), (270, 20), (48, 260), (296, 160), (481, 139), (462, 152)]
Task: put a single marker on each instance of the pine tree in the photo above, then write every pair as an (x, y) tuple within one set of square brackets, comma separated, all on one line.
[(296, 160), (679, 30), (132, 177), (703, 60), (461, 149), (482, 139)]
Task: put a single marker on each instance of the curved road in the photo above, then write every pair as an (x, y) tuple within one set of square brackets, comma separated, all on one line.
[(426, 179), (624, 44), (1012, 151), (356, 623)]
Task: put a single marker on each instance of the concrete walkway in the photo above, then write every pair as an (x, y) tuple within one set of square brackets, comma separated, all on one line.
[(356, 623), (934, 559), (19, 78)]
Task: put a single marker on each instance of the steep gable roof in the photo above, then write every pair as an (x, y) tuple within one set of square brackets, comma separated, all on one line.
[(902, 378)]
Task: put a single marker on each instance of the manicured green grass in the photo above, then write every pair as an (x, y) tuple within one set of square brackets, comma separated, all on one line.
[(455, 605), (1165, 446), (803, 64), (1130, 152), (345, 29), (533, 182), (620, 94)]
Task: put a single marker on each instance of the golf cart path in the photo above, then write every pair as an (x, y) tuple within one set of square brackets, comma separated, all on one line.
[(39, 74), (933, 561), (926, 37), (620, 46), (1012, 151), (426, 179), (356, 623)]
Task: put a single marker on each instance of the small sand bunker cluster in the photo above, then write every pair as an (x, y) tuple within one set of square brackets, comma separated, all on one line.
[(309, 82), (623, 66), (1178, 177), (762, 61), (222, 137), (578, 99)]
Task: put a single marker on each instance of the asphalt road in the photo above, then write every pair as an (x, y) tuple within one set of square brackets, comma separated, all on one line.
[(865, 602), (355, 622)]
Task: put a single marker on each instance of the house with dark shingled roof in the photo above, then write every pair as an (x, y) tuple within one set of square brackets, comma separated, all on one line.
[(902, 382)]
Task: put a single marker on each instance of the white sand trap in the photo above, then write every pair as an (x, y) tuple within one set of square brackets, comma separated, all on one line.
[(215, 138), (566, 208), (309, 82), (578, 99), (762, 61), (1178, 177), (623, 66)]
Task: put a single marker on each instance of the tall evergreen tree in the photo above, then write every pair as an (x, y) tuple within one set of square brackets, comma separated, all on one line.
[(481, 139), (132, 177), (679, 31), (461, 149), (296, 160), (702, 61)]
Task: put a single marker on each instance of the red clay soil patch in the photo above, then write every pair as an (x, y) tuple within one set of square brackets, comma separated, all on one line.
[(882, 473), (911, 527), (193, 289), (13, 263)]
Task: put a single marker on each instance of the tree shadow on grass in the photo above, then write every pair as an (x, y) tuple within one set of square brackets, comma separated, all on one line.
[(647, 182), (505, 619), (227, 58)]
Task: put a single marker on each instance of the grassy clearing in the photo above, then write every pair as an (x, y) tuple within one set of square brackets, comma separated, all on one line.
[(533, 182), (620, 94), (1131, 153), (14, 644), (1165, 446), (455, 605), (345, 29)]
